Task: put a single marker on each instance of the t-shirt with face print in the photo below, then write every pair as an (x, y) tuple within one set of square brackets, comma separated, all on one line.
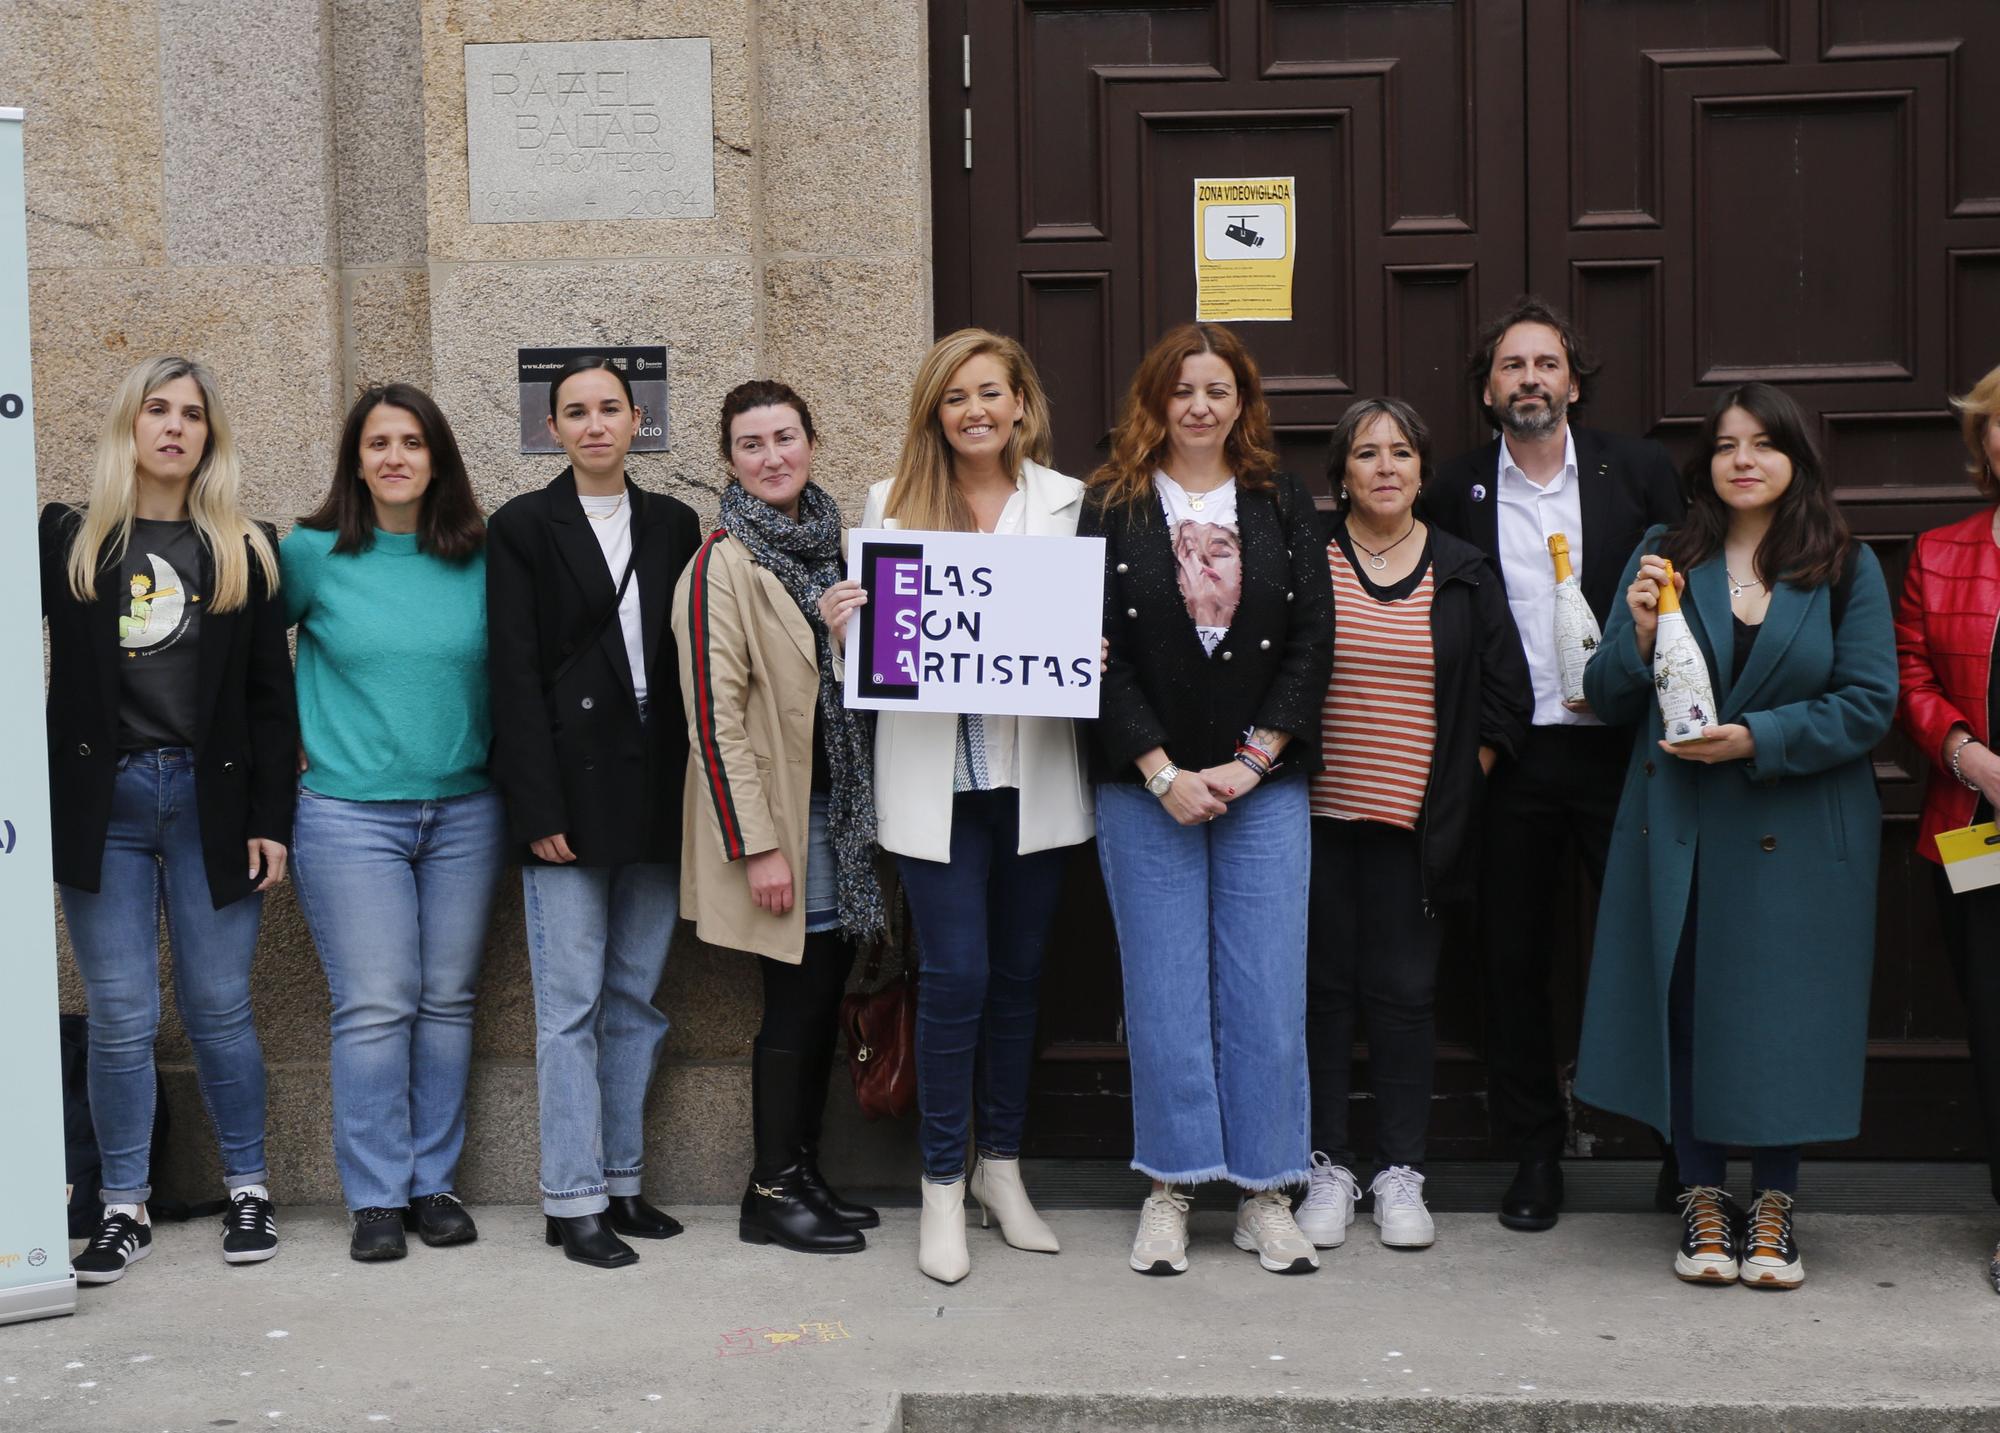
[(159, 635), (1208, 554)]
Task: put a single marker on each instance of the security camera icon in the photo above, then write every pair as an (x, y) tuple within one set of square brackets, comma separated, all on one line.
[(1242, 233)]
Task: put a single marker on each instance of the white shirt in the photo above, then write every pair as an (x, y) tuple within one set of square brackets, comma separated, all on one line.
[(1529, 515), (611, 522), (988, 744)]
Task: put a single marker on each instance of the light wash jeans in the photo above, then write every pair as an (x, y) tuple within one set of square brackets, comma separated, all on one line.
[(152, 861), (397, 894), (597, 943), (1212, 935)]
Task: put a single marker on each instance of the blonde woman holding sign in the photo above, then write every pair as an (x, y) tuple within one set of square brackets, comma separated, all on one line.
[(978, 809)]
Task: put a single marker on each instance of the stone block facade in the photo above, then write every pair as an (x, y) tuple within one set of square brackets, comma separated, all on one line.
[(280, 189)]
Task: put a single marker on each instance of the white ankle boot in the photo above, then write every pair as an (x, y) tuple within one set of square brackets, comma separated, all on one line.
[(941, 1232), (996, 1184)]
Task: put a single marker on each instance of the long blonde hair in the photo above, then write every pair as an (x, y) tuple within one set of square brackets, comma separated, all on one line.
[(212, 497), (922, 495)]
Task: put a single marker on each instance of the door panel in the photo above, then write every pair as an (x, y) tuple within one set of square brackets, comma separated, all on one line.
[(1794, 190)]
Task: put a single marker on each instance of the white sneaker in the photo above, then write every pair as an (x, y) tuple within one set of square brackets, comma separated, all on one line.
[(1264, 1223), (1160, 1246), (1399, 1209), (1328, 1208)]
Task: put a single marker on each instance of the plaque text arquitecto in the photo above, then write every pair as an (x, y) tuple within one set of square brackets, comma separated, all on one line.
[(594, 130)]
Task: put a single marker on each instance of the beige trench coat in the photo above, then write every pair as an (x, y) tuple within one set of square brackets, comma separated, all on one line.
[(750, 683)]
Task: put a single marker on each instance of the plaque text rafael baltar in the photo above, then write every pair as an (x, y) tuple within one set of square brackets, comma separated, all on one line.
[(595, 130)]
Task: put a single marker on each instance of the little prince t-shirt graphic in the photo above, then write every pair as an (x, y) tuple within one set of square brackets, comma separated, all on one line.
[(159, 605), (159, 624)]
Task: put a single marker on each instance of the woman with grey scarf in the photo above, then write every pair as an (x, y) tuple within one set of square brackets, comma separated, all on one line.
[(779, 813)]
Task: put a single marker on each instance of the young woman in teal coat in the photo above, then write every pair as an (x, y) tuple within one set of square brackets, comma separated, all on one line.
[(1728, 1000)]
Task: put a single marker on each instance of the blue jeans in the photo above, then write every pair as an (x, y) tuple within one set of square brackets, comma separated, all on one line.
[(1212, 935), (396, 894), (597, 944), (153, 861), (982, 923)]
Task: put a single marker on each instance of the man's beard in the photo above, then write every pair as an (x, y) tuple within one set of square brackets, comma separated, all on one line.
[(1533, 422)]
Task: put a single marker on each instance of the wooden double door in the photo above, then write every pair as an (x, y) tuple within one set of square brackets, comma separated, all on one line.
[(1802, 191)]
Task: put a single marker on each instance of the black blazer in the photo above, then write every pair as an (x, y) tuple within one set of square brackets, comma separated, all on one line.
[(571, 757), (1624, 486), (1482, 698), (246, 737), (1161, 689)]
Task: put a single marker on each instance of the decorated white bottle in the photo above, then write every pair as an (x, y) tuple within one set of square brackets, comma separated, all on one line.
[(1577, 633), (1680, 672)]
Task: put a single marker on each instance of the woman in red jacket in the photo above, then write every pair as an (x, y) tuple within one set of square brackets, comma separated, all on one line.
[(1947, 625)]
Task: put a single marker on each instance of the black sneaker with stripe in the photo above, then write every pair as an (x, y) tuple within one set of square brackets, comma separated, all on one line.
[(120, 1242), (249, 1229)]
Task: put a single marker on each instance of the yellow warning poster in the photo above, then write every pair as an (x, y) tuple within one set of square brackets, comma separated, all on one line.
[(1243, 241)]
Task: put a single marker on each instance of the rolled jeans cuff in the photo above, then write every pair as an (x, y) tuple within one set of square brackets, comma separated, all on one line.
[(574, 1203), (234, 1182), (622, 1182), (126, 1196)]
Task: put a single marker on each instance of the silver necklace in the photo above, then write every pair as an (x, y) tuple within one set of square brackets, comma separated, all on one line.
[(1380, 560), (1737, 589)]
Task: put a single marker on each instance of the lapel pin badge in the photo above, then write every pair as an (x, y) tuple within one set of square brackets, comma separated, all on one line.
[(1479, 492)]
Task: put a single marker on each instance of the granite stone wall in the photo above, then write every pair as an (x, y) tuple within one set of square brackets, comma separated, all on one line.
[(280, 188)]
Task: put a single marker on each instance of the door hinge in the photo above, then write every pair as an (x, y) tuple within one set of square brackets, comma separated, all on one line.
[(968, 61), (968, 136)]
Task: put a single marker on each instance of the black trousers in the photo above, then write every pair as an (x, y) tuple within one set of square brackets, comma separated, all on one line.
[(1371, 953), (1972, 939), (1560, 794)]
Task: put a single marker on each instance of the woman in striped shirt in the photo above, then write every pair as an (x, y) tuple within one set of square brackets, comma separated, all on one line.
[(1428, 686)]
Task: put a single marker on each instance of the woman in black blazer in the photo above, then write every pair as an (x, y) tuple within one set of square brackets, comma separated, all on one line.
[(589, 752), (1219, 637), (172, 737)]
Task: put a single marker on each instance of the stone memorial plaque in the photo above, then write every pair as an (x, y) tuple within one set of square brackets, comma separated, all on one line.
[(595, 129)]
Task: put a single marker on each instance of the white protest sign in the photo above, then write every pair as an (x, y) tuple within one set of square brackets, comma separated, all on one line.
[(975, 622)]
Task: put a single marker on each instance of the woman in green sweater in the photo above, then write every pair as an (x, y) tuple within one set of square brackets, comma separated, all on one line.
[(401, 837)]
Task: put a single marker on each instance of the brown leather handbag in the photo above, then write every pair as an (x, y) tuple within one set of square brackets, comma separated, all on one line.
[(881, 1028)]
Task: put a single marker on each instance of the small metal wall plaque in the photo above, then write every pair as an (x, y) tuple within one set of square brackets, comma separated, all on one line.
[(591, 130), (644, 367)]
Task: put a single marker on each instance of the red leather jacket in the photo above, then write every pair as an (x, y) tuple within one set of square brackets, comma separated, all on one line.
[(1945, 626)]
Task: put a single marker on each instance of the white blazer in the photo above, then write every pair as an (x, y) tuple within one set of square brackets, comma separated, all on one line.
[(915, 751)]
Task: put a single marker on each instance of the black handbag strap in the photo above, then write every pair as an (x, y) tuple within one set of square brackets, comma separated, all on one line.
[(598, 624), (596, 627)]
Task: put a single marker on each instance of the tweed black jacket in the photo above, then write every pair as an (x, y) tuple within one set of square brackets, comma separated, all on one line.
[(1161, 689)]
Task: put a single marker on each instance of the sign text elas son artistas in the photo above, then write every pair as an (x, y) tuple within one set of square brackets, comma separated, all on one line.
[(973, 622)]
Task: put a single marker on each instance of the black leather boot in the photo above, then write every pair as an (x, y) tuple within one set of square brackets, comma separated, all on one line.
[(815, 1077), (1533, 1201), (778, 1206), (633, 1217), (587, 1239)]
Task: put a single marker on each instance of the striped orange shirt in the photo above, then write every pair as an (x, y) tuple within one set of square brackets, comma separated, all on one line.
[(1378, 721)]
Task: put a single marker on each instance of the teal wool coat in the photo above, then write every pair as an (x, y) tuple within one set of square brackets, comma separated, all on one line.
[(1778, 852)]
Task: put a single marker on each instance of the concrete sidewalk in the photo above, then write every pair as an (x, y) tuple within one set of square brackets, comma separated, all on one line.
[(1582, 1328)]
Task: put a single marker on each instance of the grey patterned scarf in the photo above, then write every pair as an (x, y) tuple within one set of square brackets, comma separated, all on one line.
[(805, 557)]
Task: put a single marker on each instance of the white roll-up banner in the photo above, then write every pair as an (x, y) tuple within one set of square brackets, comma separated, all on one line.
[(35, 1278)]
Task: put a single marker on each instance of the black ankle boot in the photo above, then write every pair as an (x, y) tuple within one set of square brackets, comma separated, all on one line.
[(633, 1217), (815, 1074), (587, 1239), (778, 1206)]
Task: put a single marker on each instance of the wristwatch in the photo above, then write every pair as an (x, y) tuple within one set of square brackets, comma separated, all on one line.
[(1160, 780)]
